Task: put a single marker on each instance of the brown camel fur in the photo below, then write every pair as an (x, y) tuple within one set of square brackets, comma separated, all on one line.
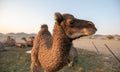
[(52, 56), (73, 51), (43, 33)]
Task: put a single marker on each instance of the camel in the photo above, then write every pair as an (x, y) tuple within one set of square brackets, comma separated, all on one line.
[(21, 45), (29, 42), (52, 55), (9, 41)]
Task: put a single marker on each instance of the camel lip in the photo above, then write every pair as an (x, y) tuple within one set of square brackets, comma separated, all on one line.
[(79, 37)]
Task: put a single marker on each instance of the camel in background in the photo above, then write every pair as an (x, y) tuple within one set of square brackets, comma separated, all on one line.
[(28, 41), (9, 41)]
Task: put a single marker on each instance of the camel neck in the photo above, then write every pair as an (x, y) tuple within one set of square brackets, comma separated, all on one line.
[(56, 56), (61, 43)]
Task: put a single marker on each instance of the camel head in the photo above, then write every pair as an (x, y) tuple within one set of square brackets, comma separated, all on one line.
[(23, 38), (74, 28), (44, 26)]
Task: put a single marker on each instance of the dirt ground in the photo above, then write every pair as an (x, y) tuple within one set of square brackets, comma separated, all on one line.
[(114, 45)]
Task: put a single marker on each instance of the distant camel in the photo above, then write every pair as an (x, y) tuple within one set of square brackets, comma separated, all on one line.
[(21, 45), (52, 56), (28, 42), (9, 41)]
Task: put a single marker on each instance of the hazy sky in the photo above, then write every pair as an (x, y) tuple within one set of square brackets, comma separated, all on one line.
[(28, 15)]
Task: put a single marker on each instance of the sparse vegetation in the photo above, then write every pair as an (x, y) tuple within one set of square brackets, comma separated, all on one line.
[(110, 37), (118, 38), (16, 60)]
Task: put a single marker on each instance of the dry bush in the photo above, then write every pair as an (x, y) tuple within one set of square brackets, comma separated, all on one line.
[(110, 37)]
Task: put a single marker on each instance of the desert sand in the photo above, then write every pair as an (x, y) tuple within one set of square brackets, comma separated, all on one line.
[(114, 45)]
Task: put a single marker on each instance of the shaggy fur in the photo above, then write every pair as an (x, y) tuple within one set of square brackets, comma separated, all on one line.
[(42, 34), (52, 56)]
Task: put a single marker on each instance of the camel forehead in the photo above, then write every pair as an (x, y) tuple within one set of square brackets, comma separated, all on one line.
[(68, 16), (44, 26)]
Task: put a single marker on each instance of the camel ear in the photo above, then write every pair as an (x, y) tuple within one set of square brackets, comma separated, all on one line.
[(58, 17)]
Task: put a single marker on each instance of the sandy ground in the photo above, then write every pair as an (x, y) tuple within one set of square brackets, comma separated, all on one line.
[(114, 45)]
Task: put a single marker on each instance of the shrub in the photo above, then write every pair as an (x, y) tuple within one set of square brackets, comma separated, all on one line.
[(110, 37)]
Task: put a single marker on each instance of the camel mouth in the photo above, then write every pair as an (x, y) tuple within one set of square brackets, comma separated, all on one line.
[(79, 37), (85, 33)]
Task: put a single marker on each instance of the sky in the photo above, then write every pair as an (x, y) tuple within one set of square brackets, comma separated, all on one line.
[(28, 15)]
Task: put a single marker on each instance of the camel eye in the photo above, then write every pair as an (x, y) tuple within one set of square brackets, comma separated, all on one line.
[(71, 22)]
